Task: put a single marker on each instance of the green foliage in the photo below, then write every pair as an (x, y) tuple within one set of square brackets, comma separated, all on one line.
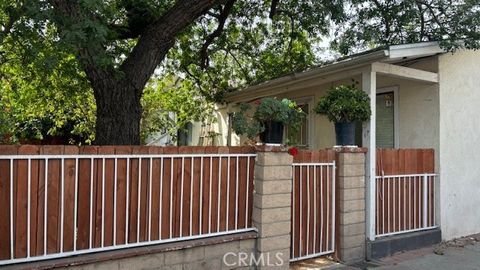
[(267, 110), (43, 96), (170, 104), (345, 104), (245, 125), (43, 54), (253, 47), (373, 23)]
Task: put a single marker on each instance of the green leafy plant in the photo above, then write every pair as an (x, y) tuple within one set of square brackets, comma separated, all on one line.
[(345, 103), (169, 104), (284, 111)]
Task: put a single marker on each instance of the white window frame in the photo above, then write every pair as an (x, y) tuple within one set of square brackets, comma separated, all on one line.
[(396, 122), (306, 100)]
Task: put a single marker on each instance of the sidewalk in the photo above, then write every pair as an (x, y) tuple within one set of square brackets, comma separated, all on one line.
[(460, 254), (450, 256)]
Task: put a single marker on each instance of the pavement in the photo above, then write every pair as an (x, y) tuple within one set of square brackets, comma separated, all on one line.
[(461, 258), (460, 254)]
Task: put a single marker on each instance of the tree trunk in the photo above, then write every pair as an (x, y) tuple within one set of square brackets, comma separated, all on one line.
[(118, 100), (118, 115)]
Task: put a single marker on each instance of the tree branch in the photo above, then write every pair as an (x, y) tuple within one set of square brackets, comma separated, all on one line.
[(244, 71), (385, 20), (95, 74), (158, 38), (123, 32), (273, 8), (195, 78), (432, 12), (222, 18), (422, 20)]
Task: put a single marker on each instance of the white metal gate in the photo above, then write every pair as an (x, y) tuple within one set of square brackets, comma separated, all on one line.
[(313, 210)]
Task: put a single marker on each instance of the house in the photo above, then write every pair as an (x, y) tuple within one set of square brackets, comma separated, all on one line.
[(421, 97)]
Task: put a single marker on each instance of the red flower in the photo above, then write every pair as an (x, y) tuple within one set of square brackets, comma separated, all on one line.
[(257, 102), (293, 151)]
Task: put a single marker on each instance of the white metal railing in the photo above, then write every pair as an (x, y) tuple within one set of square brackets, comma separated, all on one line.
[(405, 203), (35, 181), (313, 230)]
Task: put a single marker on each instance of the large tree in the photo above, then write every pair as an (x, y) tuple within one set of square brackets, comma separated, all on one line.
[(217, 44)]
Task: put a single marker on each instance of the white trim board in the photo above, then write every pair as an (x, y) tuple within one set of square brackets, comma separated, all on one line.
[(405, 72)]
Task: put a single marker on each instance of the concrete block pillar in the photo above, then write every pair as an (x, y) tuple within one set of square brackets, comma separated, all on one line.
[(271, 207), (351, 219)]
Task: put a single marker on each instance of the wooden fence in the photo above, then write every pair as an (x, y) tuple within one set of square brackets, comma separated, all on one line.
[(320, 156), (313, 206), (64, 200), (405, 190)]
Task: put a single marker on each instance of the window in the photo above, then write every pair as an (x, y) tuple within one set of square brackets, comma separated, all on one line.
[(301, 137), (385, 137)]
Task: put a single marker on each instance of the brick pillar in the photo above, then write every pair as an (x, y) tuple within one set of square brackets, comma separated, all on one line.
[(271, 207), (351, 204)]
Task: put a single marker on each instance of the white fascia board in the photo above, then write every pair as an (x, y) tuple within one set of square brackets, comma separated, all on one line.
[(414, 50)]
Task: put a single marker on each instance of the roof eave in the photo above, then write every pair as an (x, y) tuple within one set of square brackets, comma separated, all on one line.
[(392, 54), (349, 63)]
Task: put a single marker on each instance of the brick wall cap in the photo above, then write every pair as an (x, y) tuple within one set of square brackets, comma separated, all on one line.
[(270, 148), (349, 149)]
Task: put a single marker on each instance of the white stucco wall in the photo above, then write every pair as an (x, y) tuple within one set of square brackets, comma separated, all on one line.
[(418, 108), (221, 125), (460, 143)]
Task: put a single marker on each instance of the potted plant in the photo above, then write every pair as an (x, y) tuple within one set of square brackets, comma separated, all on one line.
[(269, 117), (344, 105)]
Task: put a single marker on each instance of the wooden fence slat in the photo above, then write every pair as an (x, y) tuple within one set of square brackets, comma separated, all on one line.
[(69, 199), (205, 195), (20, 209), (5, 201), (155, 196), (215, 189), (53, 200), (133, 201), (166, 199), (297, 210), (97, 203), (83, 200), (324, 206), (242, 192), (144, 179), (5, 211), (196, 196), (223, 193), (250, 191), (232, 193), (177, 178)]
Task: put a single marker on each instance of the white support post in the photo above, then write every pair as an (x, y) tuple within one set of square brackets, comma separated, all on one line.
[(369, 85), (425, 200)]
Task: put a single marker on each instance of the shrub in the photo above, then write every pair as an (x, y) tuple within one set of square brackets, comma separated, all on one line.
[(345, 104)]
